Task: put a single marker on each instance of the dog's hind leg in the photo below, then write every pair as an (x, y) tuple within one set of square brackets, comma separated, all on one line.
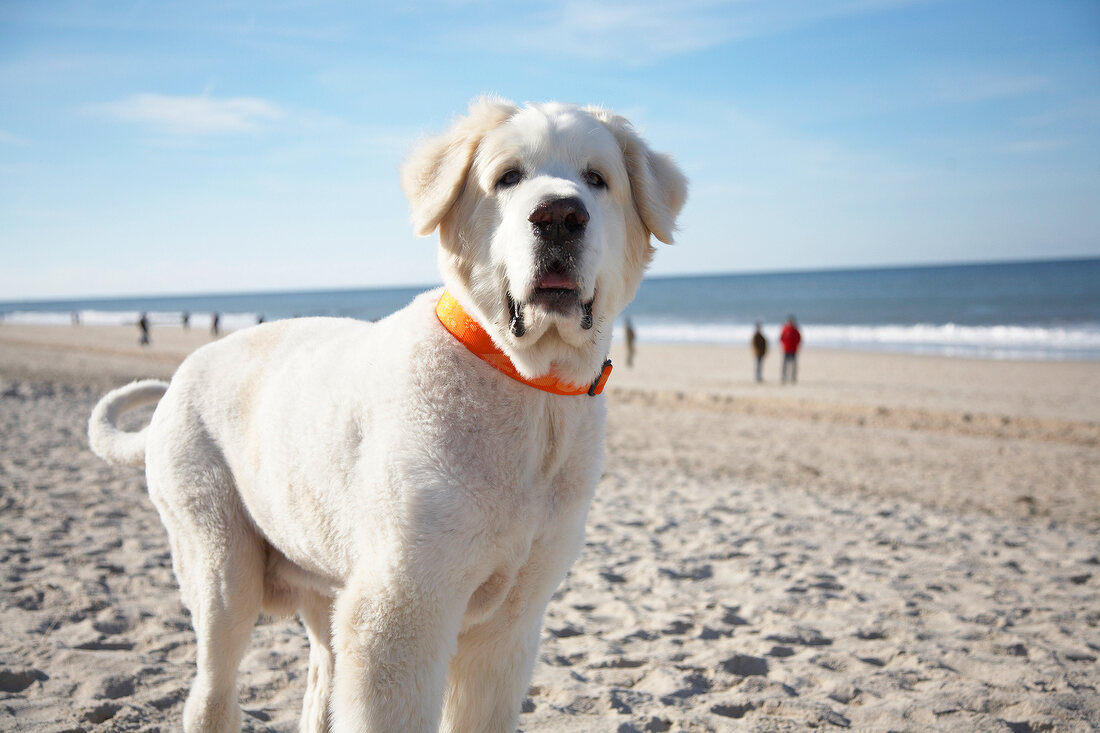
[(316, 613), (219, 563), (224, 599)]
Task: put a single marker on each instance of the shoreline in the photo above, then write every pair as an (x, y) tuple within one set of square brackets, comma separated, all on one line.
[(1059, 389)]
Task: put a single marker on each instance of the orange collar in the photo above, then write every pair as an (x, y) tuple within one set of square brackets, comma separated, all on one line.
[(475, 338)]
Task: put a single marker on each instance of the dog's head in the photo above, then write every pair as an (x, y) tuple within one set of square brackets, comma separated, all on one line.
[(544, 215)]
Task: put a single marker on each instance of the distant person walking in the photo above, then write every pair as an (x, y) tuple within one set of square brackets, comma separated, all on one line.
[(628, 336), (214, 325), (143, 326), (759, 348), (186, 318), (790, 338)]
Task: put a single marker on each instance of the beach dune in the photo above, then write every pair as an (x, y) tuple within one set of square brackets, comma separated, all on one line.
[(895, 543)]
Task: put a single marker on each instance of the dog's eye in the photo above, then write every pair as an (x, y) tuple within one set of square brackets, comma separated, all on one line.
[(594, 179), (510, 178)]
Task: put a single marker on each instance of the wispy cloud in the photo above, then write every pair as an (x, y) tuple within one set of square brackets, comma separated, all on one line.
[(1027, 147), (7, 138), (639, 32), (971, 88), (196, 115)]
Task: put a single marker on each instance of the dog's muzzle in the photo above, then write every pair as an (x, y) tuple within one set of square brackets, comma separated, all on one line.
[(559, 226), (559, 223)]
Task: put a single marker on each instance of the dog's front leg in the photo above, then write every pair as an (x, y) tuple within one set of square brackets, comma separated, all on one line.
[(492, 666), (490, 675), (393, 635)]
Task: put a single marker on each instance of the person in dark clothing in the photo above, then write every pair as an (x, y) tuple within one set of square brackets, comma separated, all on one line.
[(759, 348), (628, 336), (214, 325), (143, 326), (790, 338)]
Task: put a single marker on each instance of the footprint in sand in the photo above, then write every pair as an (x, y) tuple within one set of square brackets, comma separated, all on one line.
[(114, 688), (17, 680), (744, 665), (102, 713)]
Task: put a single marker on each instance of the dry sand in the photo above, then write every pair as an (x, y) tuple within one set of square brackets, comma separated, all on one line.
[(896, 543)]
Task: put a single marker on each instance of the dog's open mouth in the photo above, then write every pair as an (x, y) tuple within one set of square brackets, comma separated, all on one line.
[(555, 293)]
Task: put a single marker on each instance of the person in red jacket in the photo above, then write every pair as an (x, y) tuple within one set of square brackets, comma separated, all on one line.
[(790, 338)]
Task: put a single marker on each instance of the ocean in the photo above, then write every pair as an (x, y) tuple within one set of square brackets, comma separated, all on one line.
[(1017, 310)]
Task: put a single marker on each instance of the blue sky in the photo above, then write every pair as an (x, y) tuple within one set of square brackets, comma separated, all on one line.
[(191, 147)]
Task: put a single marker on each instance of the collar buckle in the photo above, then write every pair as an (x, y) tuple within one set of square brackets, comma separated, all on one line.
[(601, 380)]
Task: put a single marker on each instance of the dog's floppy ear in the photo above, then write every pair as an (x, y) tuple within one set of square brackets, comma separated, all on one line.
[(435, 172), (658, 186)]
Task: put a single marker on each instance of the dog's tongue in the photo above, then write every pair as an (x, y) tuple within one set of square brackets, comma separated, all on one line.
[(553, 281)]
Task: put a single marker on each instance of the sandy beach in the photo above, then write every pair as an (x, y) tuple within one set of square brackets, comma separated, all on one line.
[(896, 543)]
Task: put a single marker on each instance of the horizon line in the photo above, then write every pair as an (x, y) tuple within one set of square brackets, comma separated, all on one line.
[(421, 286)]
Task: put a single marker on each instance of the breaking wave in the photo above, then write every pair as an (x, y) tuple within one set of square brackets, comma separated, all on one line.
[(1078, 342)]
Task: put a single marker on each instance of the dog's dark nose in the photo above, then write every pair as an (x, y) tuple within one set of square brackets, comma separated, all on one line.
[(559, 220)]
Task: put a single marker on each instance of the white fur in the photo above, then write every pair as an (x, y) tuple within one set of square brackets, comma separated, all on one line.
[(416, 507), (110, 443)]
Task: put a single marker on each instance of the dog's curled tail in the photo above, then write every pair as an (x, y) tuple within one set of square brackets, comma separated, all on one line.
[(118, 446)]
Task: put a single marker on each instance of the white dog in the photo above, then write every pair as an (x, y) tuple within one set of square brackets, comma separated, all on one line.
[(414, 488)]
